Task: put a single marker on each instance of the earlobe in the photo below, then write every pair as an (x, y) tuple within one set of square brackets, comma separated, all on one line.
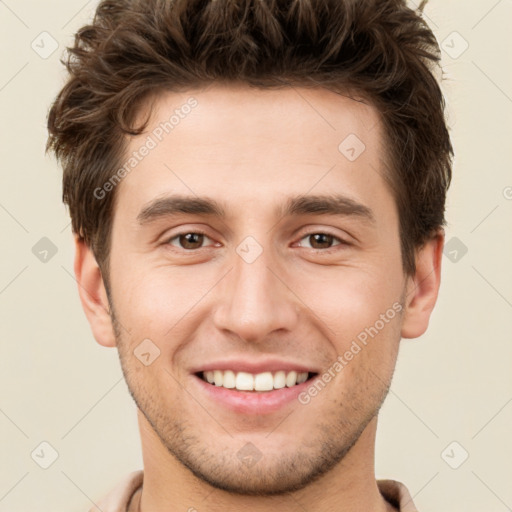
[(93, 295), (423, 287)]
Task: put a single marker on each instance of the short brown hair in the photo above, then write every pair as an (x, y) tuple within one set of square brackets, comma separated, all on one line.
[(381, 49)]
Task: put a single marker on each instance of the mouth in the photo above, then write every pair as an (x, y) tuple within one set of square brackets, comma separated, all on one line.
[(253, 386), (263, 382), (252, 394)]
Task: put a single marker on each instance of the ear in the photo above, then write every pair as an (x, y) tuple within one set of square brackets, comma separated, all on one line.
[(423, 287), (93, 295)]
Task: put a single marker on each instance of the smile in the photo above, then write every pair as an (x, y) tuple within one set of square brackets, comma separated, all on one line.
[(265, 381)]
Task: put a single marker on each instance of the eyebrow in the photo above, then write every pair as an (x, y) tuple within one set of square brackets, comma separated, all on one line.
[(299, 205)]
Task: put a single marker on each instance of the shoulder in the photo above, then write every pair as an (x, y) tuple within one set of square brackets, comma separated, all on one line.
[(397, 494), (118, 498)]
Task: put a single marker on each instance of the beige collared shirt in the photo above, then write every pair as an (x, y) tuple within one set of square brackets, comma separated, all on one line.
[(125, 496)]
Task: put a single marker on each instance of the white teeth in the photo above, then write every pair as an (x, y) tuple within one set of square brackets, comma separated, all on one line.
[(229, 380), (302, 377), (264, 382), (280, 380), (244, 381), (291, 379), (218, 377)]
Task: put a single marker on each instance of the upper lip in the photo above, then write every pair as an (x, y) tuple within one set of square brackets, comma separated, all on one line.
[(255, 367)]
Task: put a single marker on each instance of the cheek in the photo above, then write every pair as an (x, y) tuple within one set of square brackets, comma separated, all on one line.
[(349, 299), (153, 300), (359, 310)]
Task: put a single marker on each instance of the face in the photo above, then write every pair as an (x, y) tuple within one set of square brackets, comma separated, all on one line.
[(258, 235)]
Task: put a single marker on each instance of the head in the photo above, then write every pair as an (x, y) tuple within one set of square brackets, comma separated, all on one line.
[(316, 129)]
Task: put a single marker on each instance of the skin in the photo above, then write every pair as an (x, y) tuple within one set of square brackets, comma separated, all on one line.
[(251, 150)]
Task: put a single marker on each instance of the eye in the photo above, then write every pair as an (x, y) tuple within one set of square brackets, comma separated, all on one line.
[(194, 240), (321, 241), (188, 241)]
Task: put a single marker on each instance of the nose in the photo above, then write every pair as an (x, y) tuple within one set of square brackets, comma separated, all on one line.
[(254, 300)]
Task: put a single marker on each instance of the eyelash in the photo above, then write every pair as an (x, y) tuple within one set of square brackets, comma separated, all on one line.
[(306, 235)]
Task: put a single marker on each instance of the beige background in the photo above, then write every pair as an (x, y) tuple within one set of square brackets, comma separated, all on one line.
[(454, 384)]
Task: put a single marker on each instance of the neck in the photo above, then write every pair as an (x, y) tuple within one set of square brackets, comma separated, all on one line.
[(349, 487)]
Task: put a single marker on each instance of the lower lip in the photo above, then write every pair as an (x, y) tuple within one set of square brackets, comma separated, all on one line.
[(252, 402)]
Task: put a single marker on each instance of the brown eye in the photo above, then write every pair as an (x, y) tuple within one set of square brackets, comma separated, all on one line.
[(320, 241), (188, 241)]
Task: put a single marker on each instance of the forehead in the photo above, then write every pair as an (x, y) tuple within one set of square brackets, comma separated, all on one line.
[(254, 146), (288, 115)]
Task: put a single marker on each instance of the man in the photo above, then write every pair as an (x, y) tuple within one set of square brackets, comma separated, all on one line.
[(257, 193)]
